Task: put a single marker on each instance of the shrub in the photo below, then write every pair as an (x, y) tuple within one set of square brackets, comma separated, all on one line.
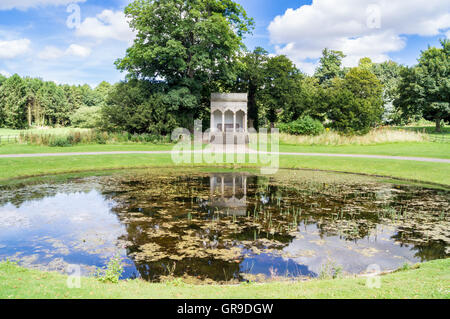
[(303, 126), (86, 117), (60, 141), (112, 272)]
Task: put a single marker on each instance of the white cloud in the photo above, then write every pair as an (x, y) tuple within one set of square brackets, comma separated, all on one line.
[(14, 48), (360, 28), (78, 50), (53, 53), (50, 53), (26, 4), (107, 25), (5, 73)]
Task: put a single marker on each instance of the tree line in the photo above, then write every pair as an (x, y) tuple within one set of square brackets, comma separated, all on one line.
[(26, 102), (185, 50)]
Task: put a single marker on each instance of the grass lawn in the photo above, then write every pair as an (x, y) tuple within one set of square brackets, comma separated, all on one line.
[(428, 280), (33, 149), (27, 167), (414, 149)]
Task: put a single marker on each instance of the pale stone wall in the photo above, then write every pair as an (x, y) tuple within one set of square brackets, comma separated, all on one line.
[(229, 109)]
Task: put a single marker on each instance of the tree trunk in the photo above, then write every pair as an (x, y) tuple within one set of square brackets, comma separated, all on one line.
[(29, 114), (438, 125)]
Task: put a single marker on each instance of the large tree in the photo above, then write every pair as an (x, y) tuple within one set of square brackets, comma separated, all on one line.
[(281, 87), (189, 44), (139, 106), (425, 89), (330, 66), (251, 79), (389, 75), (355, 103), (52, 99), (13, 103)]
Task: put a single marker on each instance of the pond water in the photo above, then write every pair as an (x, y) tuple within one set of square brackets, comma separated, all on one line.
[(223, 226)]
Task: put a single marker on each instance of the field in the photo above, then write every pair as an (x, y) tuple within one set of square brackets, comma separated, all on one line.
[(428, 280)]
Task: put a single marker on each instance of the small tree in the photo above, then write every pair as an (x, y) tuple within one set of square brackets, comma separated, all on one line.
[(355, 102), (425, 89)]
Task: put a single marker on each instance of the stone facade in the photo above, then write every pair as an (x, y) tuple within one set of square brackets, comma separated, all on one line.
[(229, 112)]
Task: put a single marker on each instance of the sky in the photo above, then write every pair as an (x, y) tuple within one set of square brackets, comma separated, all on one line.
[(77, 41)]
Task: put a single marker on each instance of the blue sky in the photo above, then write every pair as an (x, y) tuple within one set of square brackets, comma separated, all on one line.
[(36, 40)]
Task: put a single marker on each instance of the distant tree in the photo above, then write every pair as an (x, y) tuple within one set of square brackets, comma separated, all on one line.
[(190, 45), (251, 79), (307, 101), (425, 89), (35, 112), (330, 66), (102, 90), (13, 103), (53, 100), (89, 96), (355, 102), (2, 79), (86, 117), (281, 87), (389, 75), (139, 106)]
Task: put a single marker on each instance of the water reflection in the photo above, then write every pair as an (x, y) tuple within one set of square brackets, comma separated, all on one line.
[(223, 226)]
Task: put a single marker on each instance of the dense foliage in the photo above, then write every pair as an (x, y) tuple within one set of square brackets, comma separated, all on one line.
[(191, 46), (185, 50), (424, 90), (302, 126), (26, 102)]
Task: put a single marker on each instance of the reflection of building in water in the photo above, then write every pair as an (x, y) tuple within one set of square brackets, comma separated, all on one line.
[(229, 193)]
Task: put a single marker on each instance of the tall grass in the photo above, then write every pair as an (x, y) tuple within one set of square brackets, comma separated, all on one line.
[(382, 135), (70, 138)]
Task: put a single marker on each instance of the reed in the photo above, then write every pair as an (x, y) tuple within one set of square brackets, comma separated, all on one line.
[(376, 136)]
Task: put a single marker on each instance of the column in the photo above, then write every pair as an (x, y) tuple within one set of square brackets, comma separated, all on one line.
[(223, 122), (245, 122), (234, 122), (212, 128)]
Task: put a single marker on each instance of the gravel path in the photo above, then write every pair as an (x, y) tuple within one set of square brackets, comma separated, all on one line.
[(401, 158)]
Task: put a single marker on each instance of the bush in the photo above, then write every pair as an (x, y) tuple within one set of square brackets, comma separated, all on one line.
[(86, 117), (303, 126), (112, 272), (60, 141)]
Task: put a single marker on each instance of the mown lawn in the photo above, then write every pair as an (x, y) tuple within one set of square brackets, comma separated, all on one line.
[(26, 167), (413, 149), (416, 149), (429, 280)]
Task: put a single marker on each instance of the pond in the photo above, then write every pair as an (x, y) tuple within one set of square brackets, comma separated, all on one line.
[(223, 226)]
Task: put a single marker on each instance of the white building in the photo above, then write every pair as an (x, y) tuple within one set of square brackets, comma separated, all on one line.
[(229, 112)]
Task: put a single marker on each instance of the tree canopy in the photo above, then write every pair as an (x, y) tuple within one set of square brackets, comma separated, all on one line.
[(425, 89)]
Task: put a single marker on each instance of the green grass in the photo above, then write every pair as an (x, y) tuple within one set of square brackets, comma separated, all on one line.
[(25, 167), (424, 149), (414, 149), (428, 280), (33, 149)]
